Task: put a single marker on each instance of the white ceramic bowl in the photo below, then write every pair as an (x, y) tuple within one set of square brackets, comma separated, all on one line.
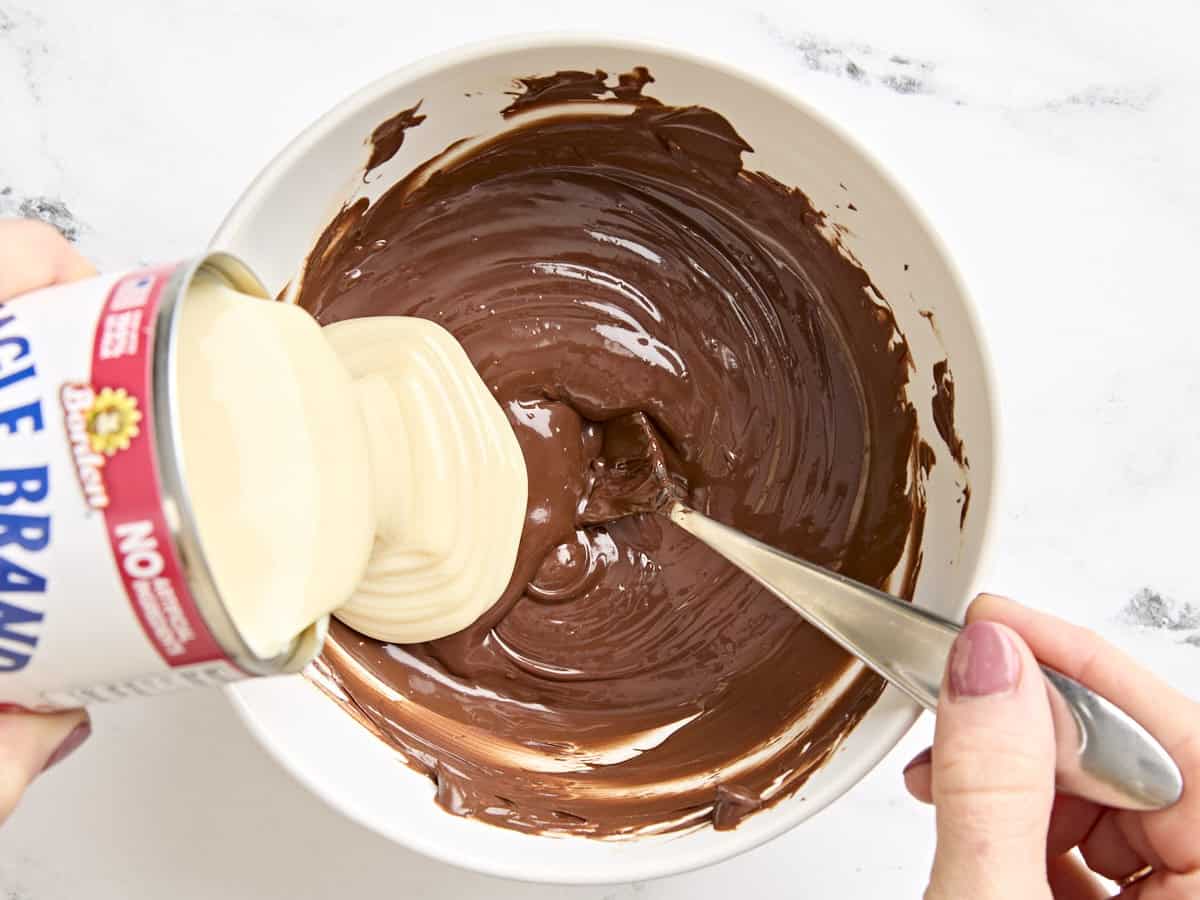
[(272, 228)]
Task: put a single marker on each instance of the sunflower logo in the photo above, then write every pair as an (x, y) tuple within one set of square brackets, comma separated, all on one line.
[(112, 421)]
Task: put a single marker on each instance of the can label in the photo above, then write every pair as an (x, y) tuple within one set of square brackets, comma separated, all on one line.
[(93, 601)]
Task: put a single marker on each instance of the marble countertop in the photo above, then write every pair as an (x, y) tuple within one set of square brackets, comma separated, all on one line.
[(1052, 144)]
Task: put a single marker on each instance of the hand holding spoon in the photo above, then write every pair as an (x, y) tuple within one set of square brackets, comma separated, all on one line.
[(1102, 754)]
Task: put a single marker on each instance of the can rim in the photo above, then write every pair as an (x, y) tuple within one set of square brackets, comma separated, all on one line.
[(177, 504)]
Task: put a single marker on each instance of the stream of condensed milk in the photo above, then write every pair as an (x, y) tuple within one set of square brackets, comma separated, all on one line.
[(363, 469)]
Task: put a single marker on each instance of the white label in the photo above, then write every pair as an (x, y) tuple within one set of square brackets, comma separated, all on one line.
[(93, 602)]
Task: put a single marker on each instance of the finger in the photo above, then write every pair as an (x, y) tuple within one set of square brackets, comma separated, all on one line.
[(34, 255), (1070, 879), (1071, 818), (30, 744), (1109, 851), (1167, 714), (1164, 886), (1071, 822), (918, 776), (993, 770)]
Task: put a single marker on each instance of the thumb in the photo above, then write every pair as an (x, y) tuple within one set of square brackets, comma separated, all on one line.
[(30, 743), (993, 770)]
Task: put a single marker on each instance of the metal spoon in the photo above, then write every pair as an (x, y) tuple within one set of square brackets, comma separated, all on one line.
[(1102, 754)]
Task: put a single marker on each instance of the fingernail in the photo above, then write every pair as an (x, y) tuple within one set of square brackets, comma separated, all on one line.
[(983, 661), (70, 744), (922, 758), (988, 595)]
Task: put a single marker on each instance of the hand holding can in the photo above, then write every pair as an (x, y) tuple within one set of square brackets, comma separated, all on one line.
[(32, 256)]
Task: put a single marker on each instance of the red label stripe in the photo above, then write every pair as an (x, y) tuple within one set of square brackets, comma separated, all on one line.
[(120, 425)]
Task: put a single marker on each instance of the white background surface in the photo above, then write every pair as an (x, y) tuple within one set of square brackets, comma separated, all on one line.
[(1054, 148)]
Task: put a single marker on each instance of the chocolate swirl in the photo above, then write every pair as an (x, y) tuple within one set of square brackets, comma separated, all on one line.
[(594, 265)]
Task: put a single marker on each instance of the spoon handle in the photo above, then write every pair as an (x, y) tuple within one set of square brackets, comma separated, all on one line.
[(1103, 755)]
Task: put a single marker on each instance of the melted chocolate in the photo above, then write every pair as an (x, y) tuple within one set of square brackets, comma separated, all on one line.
[(637, 473), (388, 136), (943, 410), (595, 266), (576, 86)]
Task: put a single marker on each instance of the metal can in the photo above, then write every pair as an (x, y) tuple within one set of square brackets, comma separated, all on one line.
[(105, 592)]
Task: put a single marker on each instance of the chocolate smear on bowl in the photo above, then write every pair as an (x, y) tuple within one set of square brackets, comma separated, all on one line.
[(388, 136)]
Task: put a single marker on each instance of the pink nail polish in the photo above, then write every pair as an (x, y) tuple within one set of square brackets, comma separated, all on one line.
[(70, 743), (922, 758), (983, 661)]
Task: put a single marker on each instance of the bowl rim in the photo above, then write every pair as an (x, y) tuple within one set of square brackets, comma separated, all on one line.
[(852, 771)]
